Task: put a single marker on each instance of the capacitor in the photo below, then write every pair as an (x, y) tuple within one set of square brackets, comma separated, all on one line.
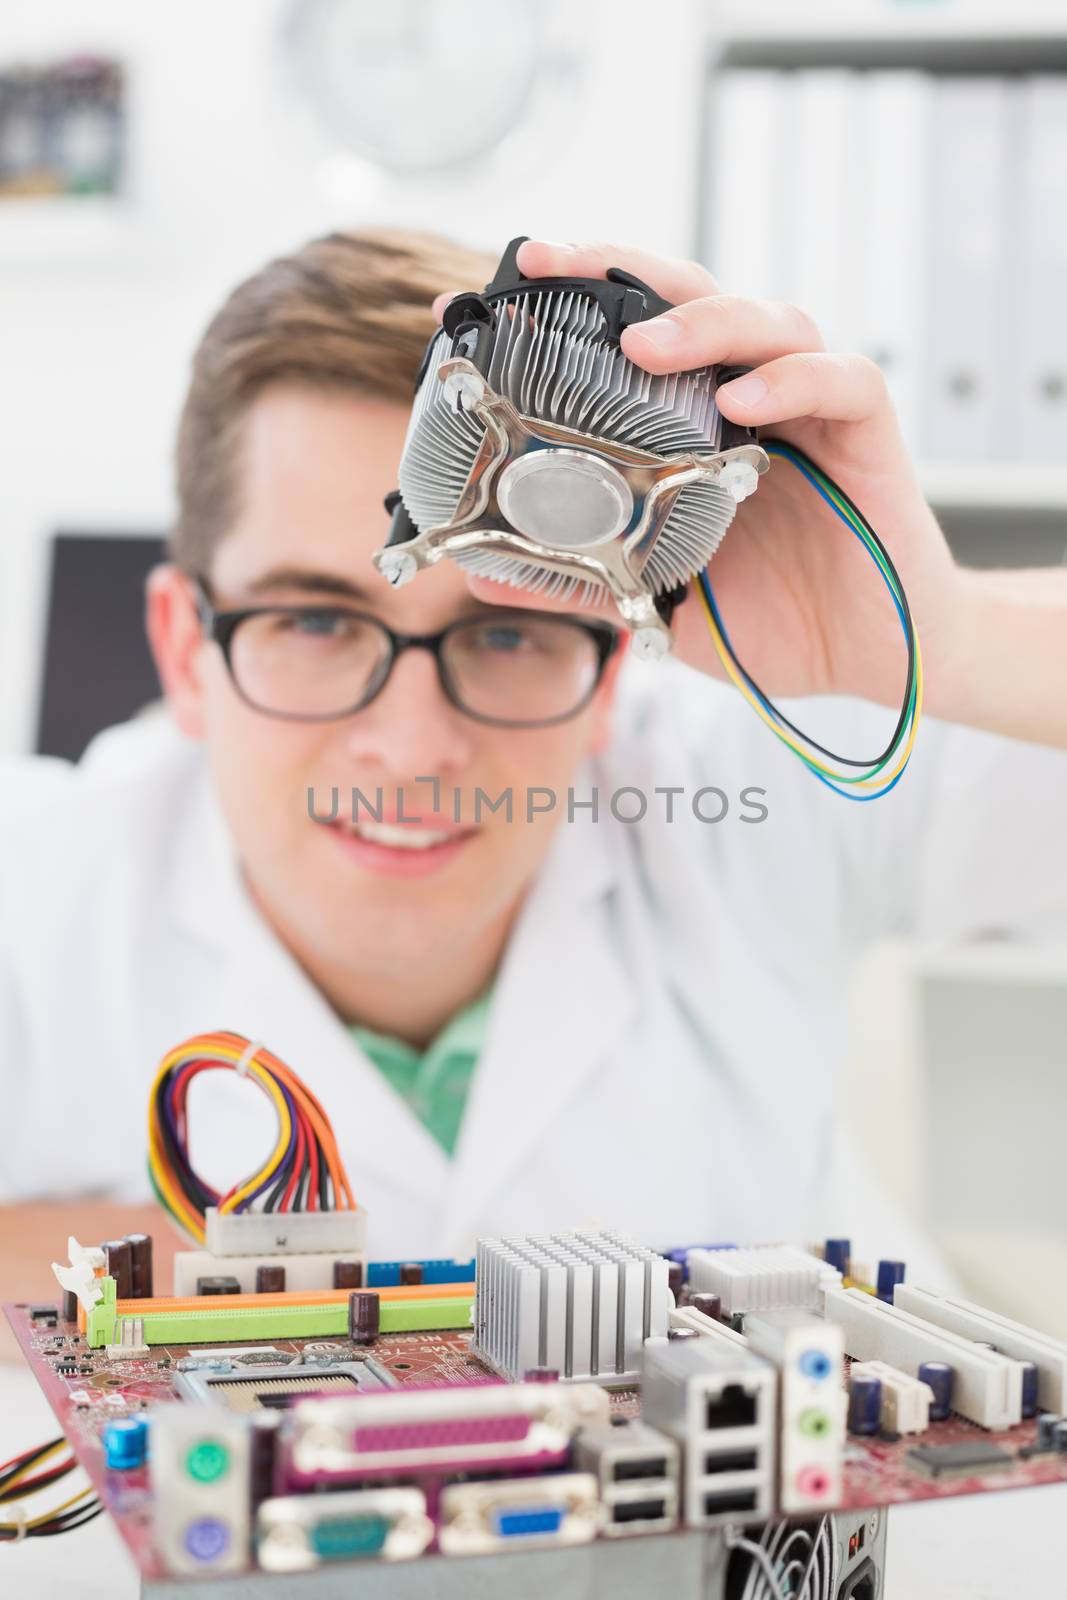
[(118, 1259), (709, 1305), (837, 1253), (675, 1275), (1030, 1380), (218, 1285), (411, 1272), (263, 1453), (348, 1274), (890, 1273), (364, 1317), (865, 1405), (541, 1375), (70, 1306), (270, 1278), (1047, 1422), (126, 1443), (141, 1264), (941, 1378)]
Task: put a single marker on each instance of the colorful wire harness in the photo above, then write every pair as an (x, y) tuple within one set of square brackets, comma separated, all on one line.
[(872, 780), (304, 1171), (27, 1474)]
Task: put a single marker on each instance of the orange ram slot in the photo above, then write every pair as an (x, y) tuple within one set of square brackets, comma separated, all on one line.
[(310, 1297)]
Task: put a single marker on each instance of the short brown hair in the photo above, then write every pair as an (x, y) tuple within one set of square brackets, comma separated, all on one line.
[(348, 311)]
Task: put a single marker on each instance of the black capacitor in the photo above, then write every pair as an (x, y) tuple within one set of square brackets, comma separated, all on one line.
[(263, 1453), (364, 1317), (675, 1276), (837, 1253), (941, 1379), (218, 1285), (141, 1255), (1047, 1422), (118, 1258), (865, 1405), (348, 1274), (1030, 1379), (70, 1306), (890, 1273), (411, 1272), (709, 1304), (270, 1279), (541, 1375)]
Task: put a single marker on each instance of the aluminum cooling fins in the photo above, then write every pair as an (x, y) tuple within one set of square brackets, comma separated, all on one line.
[(537, 454)]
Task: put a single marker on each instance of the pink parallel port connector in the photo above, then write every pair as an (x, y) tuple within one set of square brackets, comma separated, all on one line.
[(438, 1432)]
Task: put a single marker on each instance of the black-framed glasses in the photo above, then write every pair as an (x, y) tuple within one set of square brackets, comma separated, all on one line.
[(511, 668)]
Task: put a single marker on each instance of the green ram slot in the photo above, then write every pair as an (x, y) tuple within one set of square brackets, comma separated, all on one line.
[(217, 1325)]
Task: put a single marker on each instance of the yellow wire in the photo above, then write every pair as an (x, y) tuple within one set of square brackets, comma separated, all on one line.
[(34, 1466), (268, 1084), (867, 783), (47, 1516)]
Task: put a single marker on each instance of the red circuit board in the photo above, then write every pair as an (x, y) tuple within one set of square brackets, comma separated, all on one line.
[(878, 1472)]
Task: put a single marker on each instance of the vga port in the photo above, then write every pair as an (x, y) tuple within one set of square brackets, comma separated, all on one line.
[(510, 1513), (296, 1533)]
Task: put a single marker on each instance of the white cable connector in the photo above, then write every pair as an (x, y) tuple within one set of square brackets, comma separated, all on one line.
[(247, 1056)]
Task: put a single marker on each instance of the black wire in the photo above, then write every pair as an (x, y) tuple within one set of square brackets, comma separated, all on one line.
[(197, 1194), (27, 1460), (846, 761)]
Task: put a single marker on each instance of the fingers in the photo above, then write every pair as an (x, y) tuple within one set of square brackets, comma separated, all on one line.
[(720, 328), (674, 280), (838, 388)]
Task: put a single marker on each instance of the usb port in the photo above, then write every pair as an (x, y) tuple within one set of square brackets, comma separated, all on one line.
[(639, 1511), (731, 1461), (639, 1467), (718, 1505)]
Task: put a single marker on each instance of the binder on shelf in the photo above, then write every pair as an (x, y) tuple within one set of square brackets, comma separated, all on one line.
[(744, 181), (970, 326), (1039, 270), (886, 244), (823, 109)]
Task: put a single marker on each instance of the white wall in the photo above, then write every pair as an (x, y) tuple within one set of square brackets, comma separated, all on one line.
[(98, 316)]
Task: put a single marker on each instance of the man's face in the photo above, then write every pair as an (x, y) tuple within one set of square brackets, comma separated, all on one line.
[(315, 468)]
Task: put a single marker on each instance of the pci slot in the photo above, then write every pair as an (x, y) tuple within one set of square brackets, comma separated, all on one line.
[(1012, 1339), (988, 1387)]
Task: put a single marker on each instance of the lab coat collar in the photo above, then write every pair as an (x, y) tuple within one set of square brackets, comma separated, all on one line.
[(562, 1001)]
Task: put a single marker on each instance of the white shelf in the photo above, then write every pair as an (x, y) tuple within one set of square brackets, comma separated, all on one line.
[(1018, 485), (872, 21), (998, 961)]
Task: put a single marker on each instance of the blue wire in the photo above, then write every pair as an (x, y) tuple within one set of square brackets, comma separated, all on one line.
[(705, 583)]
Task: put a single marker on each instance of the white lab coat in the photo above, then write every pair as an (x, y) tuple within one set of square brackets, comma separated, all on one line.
[(667, 1028)]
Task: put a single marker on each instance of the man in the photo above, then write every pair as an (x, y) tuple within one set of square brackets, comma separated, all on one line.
[(524, 1023)]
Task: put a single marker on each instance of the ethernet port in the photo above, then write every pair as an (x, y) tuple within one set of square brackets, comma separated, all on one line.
[(733, 1408), (861, 1584)]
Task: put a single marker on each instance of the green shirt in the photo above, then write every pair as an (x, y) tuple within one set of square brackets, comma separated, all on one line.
[(435, 1083)]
